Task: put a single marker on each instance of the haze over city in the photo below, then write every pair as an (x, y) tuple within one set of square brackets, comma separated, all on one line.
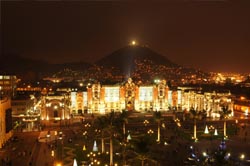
[(209, 35)]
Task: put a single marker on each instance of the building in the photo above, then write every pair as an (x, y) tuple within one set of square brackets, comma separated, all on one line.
[(55, 107), (155, 97), (105, 98), (5, 121), (97, 98), (22, 105), (211, 102), (7, 85), (242, 105)]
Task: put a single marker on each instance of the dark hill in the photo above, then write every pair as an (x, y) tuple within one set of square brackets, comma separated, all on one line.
[(141, 64), (16, 63), (126, 58), (25, 67)]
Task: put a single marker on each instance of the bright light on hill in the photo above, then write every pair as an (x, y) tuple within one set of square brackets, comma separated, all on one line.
[(133, 43)]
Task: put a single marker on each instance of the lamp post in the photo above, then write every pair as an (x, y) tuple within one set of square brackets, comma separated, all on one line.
[(150, 131), (48, 136), (242, 157), (145, 122), (53, 156), (211, 129), (93, 158), (61, 138)]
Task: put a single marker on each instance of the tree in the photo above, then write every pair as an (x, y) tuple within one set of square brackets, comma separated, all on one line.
[(141, 149), (101, 123), (195, 115), (222, 156), (110, 120), (107, 126), (122, 120), (224, 115), (158, 118), (123, 117)]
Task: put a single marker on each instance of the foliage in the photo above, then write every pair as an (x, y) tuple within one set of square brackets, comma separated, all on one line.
[(221, 158), (157, 116), (196, 115), (224, 112), (141, 148)]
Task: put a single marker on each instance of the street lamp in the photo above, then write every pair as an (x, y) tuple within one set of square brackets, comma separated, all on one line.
[(146, 122), (177, 121), (150, 131), (48, 136), (58, 164), (61, 138), (53, 156), (94, 161), (242, 157), (211, 128)]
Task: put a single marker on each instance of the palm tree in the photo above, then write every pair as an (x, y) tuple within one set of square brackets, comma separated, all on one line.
[(224, 115), (107, 126), (158, 118), (101, 123), (110, 120), (123, 117), (141, 148), (195, 115)]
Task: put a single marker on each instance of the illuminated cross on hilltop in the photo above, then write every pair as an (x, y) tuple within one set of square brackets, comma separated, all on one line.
[(133, 43)]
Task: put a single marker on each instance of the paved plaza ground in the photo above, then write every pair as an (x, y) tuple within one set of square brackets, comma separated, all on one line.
[(35, 149)]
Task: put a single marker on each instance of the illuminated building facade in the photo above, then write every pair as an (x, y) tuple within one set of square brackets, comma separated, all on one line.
[(103, 99), (22, 105), (7, 85), (97, 98), (242, 105), (5, 121), (78, 102), (211, 102), (155, 97), (55, 107)]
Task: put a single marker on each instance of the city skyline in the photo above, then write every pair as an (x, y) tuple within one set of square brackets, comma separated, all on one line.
[(212, 36)]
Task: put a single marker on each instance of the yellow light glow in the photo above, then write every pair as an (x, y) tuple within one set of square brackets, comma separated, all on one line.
[(242, 98), (52, 153), (242, 156)]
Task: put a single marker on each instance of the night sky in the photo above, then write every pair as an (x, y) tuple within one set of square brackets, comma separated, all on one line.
[(210, 35)]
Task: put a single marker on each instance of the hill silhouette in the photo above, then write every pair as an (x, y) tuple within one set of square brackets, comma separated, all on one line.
[(138, 62), (126, 59), (32, 69)]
